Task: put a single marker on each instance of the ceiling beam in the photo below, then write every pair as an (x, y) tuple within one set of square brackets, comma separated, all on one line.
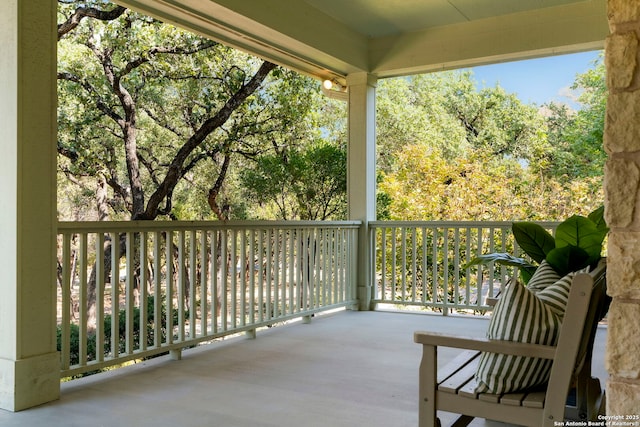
[(287, 32), (543, 32)]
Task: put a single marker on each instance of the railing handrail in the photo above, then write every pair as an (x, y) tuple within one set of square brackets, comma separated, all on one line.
[(71, 226), (450, 223)]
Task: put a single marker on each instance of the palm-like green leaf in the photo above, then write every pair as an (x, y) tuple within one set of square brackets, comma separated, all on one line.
[(526, 269), (500, 258), (534, 240)]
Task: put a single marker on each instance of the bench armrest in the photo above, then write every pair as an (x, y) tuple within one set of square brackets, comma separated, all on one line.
[(436, 339)]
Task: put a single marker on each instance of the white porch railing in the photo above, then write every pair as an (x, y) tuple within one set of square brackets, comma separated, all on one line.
[(176, 284), (419, 263)]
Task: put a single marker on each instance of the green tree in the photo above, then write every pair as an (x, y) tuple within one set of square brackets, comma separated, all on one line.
[(307, 184), (578, 135), (483, 154), (496, 122), (154, 96), (411, 110)]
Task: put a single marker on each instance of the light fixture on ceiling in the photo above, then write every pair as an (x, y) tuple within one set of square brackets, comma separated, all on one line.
[(333, 89)]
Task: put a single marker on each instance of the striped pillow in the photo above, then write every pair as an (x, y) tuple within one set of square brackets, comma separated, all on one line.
[(556, 296), (522, 315), (544, 276)]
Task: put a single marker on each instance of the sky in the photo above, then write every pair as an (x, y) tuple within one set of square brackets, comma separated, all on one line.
[(538, 80)]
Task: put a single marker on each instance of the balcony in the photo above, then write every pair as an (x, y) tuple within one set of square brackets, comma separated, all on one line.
[(221, 283)]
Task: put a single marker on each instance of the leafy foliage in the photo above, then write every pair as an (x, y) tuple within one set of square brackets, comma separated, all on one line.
[(577, 244), (309, 184)]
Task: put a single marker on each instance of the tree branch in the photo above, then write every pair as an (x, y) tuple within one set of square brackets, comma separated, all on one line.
[(163, 124), (66, 152), (88, 12), (175, 169)]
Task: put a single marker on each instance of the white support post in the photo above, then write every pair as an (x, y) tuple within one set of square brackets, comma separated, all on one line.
[(29, 362), (361, 172)]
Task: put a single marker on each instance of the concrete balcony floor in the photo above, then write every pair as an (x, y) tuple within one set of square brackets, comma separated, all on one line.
[(344, 369)]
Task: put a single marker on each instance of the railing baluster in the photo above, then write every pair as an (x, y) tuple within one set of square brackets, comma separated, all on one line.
[(469, 257), (479, 276), (383, 264), (244, 262), (157, 293), (284, 265), (341, 253), (193, 278), (277, 237), (393, 263), (204, 283), (237, 263), (292, 270), (214, 271), (456, 266), (327, 273), (143, 291), (100, 276), (115, 294), (336, 266), (169, 287), (317, 266), (252, 276), (67, 307), (414, 264), (181, 285), (128, 298), (224, 269), (270, 236), (82, 301), (434, 267), (297, 283), (492, 248), (233, 273), (261, 275), (445, 271), (425, 264), (403, 273)]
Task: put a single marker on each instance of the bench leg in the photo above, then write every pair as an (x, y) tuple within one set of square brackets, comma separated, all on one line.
[(427, 387)]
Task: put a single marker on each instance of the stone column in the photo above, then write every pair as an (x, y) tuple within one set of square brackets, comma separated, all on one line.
[(361, 172), (29, 363), (622, 203)]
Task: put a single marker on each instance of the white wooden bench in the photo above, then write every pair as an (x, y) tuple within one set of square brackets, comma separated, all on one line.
[(452, 388)]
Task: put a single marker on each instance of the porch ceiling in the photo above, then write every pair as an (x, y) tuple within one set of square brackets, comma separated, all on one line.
[(333, 38)]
